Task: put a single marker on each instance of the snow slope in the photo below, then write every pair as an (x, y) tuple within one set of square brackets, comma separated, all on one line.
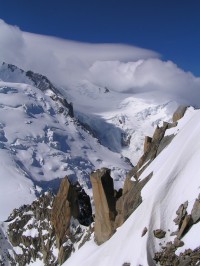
[(175, 180), (40, 143)]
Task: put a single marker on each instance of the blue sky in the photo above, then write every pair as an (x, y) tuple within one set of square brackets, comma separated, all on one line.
[(170, 27)]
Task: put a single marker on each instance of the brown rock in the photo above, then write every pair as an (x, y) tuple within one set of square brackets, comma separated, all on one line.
[(64, 253), (152, 147), (145, 230), (159, 233), (171, 125), (178, 243), (130, 200), (164, 143), (187, 222), (71, 201), (38, 219), (185, 261), (128, 183), (181, 213), (104, 200), (159, 132), (147, 143), (62, 211), (151, 150), (179, 113), (196, 211)]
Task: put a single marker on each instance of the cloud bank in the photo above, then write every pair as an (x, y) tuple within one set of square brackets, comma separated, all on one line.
[(122, 68), (163, 78)]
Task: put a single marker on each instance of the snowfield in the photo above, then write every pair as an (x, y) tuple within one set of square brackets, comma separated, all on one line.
[(175, 180)]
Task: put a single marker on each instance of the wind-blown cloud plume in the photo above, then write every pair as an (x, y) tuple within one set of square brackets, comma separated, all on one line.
[(122, 68), (61, 59)]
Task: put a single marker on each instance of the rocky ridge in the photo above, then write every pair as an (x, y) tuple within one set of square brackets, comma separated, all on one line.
[(51, 228), (130, 198), (168, 254), (105, 204), (113, 208), (131, 193), (30, 232), (12, 73), (71, 208)]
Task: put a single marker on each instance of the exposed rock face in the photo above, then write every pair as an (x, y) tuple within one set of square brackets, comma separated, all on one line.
[(186, 224), (164, 143), (179, 113), (125, 139), (151, 146), (40, 81), (131, 196), (145, 230), (113, 208), (159, 233), (147, 143), (51, 225), (104, 200), (63, 207), (196, 211), (66, 108), (68, 105), (130, 200), (181, 213), (167, 255), (30, 231), (70, 202), (178, 243)]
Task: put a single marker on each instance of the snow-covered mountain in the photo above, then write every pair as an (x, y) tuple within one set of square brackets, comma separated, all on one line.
[(48, 132), (164, 224), (117, 89), (43, 142), (165, 227), (120, 120), (92, 111), (40, 141)]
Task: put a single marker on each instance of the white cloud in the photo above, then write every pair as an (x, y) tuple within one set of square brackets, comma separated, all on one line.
[(120, 67), (150, 75), (64, 61), (11, 43)]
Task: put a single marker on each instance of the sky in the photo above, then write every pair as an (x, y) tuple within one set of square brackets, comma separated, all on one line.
[(171, 28)]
